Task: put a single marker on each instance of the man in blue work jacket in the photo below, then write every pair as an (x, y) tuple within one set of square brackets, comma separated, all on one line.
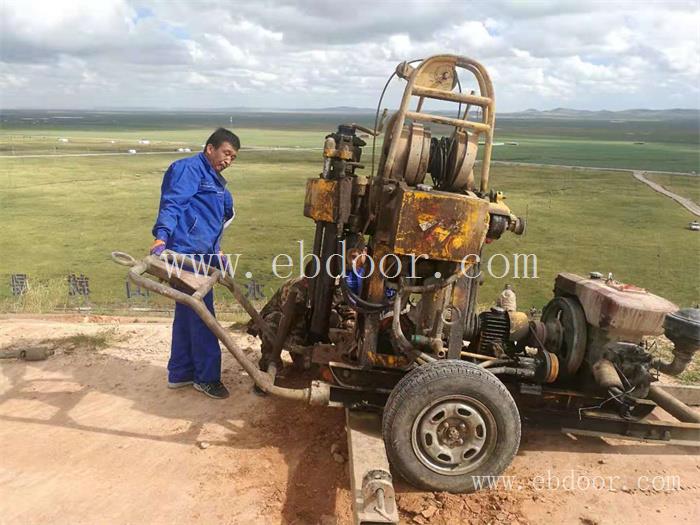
[(195, 207)]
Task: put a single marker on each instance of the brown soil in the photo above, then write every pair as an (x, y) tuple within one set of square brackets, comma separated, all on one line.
[(92, 435)]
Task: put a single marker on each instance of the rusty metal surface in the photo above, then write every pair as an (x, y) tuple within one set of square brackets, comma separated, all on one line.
[(622, 309), (519, 325), (567, 410), (320, 200), (443, 226)]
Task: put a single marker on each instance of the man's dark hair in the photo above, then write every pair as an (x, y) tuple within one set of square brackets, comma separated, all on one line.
[(222, 135)]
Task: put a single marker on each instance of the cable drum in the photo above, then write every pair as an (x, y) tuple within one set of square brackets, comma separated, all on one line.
[(412, 155), (452, 161)]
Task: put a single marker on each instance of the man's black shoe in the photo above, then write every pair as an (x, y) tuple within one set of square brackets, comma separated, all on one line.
[(216, 390)]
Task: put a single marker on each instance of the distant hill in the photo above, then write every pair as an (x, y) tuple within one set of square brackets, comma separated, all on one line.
[(627, 114), (557, 113)]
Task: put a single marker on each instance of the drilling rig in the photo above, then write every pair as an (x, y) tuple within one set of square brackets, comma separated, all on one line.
[(431, 386)]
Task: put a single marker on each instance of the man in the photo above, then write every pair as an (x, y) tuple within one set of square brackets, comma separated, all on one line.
[(195, 207), (355, 265)]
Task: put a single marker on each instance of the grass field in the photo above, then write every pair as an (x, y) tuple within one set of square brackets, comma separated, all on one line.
[(662, 145), (658, 156), (66, 214)]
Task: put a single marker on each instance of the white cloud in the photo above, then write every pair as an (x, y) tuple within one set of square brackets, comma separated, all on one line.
[(295, 53), (196, 79)]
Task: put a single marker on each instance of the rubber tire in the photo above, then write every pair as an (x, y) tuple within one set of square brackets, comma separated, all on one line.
[(429, 382)]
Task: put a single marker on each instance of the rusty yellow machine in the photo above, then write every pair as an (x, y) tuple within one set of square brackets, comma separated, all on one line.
[(431, 386)]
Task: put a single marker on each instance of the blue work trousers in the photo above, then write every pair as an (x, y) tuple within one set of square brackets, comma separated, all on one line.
[(195, 354)]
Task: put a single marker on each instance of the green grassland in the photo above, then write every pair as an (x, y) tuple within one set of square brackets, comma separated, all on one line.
[(586, 220), (66, 214), (662, 144), (658, 156)]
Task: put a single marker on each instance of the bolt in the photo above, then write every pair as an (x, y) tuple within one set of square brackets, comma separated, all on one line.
[(462, 426), (460, 441)]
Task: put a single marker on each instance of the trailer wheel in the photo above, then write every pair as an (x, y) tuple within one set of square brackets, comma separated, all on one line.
[(448, 422)]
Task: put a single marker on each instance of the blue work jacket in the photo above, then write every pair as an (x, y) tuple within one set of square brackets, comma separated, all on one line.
[(194, 205), (354, 279)]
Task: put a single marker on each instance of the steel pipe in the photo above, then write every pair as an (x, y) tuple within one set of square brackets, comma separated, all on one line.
[(316, 394), (673, 406)]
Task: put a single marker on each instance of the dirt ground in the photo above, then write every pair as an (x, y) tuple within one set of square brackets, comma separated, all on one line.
[(92, 435)]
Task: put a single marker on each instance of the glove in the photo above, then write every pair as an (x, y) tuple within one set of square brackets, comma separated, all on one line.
[(157, 247)]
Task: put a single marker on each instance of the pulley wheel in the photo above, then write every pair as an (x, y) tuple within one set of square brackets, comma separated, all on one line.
[(412, 153), (567, 311), (417, 155), (460, 162)]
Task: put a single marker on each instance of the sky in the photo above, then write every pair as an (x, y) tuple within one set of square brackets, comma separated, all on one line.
[(83, 54)]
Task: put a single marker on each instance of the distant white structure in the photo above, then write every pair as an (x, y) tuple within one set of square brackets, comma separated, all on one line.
[(180, 150), (144, 141), (62, 140), (112, 141), (186, 150), (132, 151)]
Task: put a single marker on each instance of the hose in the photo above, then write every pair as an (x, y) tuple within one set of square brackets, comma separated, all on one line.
[(358, 304), (400, 339), (355, 301), (427, 287)]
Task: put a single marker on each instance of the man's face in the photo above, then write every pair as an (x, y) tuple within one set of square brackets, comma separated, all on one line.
[(221, 158), (357, 258)]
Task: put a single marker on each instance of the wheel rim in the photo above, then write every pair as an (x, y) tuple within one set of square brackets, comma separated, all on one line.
[(453, 435)]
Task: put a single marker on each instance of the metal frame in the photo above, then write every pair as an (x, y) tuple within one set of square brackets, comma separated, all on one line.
[(317, 394), (485, 100)]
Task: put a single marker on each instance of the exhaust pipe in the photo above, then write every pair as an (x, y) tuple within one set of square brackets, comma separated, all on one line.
[(683, 329)]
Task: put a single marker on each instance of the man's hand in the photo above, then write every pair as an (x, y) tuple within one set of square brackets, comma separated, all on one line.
[(157, 247)]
